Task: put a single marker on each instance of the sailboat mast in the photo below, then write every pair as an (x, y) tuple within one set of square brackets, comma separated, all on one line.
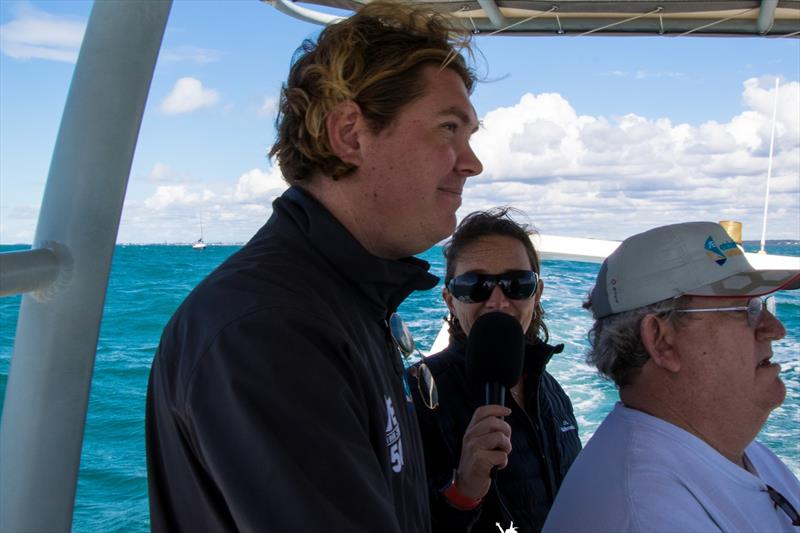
[(769, 168)]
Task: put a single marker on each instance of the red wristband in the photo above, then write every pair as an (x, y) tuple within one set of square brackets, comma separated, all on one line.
[(457, 499)]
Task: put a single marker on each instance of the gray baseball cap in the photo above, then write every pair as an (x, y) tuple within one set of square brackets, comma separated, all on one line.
[(693, 258)]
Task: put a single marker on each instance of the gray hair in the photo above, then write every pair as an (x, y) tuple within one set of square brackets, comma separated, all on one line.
[(616, 343)]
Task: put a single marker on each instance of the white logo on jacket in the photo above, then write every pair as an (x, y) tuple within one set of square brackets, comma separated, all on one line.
[(393, 441)]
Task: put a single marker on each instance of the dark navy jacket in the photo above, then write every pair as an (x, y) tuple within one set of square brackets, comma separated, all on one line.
[(275, 400), (544, 443)]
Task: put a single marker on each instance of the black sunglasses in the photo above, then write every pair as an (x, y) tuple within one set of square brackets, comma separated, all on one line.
[(474, 288), (404, 342), (779, 500)]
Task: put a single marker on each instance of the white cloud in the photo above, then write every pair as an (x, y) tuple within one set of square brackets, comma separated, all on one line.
[(231, 210), (34, 34), (646, 74), (167, 195), (188, 95), (269, 107), (612, 176), (192, 54), (256, 185), (759, 95), (573, 174), (160, 172), (164, 174)]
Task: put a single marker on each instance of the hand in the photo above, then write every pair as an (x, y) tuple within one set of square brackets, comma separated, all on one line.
[(486, 444)]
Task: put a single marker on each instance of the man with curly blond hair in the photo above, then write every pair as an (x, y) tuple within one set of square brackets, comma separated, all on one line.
[(276, 400)]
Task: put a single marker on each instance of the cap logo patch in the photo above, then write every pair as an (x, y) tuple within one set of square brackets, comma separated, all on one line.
[(720, 254)]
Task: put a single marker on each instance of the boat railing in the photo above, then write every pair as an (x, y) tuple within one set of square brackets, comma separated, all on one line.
[(50, 375), (28, 271)]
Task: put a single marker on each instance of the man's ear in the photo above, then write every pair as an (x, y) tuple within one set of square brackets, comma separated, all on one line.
[(344, 125), (658, 338)]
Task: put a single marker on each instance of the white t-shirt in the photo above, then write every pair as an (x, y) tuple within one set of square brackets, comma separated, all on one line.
[(641, 473)]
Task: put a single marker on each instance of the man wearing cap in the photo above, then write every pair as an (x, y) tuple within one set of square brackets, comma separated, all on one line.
[(681, 328)]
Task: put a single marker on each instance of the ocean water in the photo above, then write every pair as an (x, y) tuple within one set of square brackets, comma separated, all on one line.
[(149, 282)]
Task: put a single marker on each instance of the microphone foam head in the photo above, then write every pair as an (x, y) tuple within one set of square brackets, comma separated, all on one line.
[(495, 350)]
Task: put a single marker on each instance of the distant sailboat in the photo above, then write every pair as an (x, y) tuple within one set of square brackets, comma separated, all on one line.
[(199, 244)]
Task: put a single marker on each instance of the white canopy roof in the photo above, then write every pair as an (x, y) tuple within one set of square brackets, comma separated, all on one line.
[(769, 18)]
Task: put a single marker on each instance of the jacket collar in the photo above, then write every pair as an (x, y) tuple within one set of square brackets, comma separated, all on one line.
[(384, 282), (537, 354)]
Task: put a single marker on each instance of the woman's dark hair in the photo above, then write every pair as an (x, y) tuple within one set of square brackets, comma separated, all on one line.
[(496, 221)]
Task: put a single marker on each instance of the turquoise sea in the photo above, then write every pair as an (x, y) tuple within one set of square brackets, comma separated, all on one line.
[(148, 282)]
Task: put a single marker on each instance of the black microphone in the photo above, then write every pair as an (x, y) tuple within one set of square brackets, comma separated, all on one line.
[(495, 354)]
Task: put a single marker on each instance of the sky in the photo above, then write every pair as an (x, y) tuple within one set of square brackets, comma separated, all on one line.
[(589, 136)]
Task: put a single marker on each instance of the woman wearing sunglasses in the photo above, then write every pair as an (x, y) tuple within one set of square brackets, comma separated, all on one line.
[(526, 445)]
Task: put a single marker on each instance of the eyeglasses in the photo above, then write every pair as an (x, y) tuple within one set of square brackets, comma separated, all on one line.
[(754, 308), (474, 288), (779, 500), (426, 385), (404, 342)]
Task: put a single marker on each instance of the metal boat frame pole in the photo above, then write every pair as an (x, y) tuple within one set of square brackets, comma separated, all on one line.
[(47, 394)]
